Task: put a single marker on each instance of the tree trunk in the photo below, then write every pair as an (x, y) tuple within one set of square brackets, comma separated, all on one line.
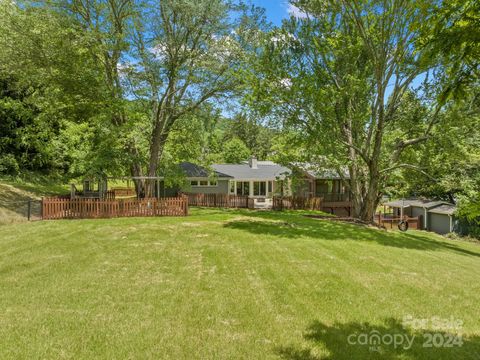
[(370, 202), (136, 171)]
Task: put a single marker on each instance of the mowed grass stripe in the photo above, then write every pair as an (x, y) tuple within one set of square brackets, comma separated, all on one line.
[(226, 284)]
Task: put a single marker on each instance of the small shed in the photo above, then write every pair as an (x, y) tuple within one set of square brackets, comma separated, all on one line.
[(441, 219), (413, 208), (438, 216)]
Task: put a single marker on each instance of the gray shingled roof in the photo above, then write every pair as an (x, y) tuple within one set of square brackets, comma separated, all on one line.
[(266, 170), (448, 209), (197, 171), (423, 203), (245, 172)]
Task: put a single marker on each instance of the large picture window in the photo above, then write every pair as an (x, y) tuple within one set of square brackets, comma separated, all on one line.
[(243, 188), (259, 188)]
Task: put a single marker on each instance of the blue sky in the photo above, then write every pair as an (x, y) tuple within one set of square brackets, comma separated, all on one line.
[(276, 10)]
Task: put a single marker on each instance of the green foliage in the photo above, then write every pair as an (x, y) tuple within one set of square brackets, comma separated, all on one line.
[(235, 151), (106, 82), (8, 164), (452, 37), (256, 136), (49, 82)]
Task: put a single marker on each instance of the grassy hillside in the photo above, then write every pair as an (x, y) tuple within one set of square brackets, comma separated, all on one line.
[(230, 284), (15, 194)]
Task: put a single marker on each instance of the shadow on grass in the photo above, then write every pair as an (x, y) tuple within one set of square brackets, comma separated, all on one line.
[(392, 340), (295, 225)]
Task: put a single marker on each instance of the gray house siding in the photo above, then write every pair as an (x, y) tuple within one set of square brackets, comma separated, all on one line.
[(406, 211), (417, 211), (221, 188), (439, 223)]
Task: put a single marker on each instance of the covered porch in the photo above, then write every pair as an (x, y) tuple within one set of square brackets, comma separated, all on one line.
[(331, 190)]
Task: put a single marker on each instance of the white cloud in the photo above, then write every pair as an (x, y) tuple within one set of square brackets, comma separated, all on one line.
[(286, 83), (296, 12), (159, 51), (282, 38)]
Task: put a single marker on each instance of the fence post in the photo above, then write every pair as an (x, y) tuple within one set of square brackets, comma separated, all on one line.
[(29, 209)]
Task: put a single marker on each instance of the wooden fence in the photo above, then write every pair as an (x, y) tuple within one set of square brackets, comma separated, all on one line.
[(296, 203), (391, 222), (123, 192), (110, 195), (54, 208), (217, 200)]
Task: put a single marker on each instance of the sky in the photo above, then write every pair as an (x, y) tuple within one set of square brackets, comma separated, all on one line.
[(276, 10)]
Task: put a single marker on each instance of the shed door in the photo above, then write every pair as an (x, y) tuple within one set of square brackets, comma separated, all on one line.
[(439, 223)]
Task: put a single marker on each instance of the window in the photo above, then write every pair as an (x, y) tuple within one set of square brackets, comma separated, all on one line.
[(270, 186), (259, 188), (203, 183), (232, 187), (243, 188)]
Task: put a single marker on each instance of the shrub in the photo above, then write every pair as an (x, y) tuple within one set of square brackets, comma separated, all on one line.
[(9, 165)]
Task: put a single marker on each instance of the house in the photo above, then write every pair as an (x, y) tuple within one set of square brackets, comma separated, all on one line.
[(262, 180), (437, 216)]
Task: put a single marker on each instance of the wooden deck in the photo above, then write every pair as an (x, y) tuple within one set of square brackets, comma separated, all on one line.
[(218, 200)]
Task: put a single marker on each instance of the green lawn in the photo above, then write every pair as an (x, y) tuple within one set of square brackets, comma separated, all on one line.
[(226, 285)]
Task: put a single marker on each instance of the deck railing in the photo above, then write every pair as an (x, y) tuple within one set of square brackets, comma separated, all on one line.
[(217, 200), (297, 203), (390, 221), (79, 208), (334, 197)]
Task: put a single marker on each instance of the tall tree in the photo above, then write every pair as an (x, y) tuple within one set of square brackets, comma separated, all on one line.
[(151, 64), (338, 75), (48, 81), (175, 55)]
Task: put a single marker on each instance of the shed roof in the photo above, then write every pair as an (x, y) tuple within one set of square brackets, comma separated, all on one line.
[(447, 209), (423, 203)]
